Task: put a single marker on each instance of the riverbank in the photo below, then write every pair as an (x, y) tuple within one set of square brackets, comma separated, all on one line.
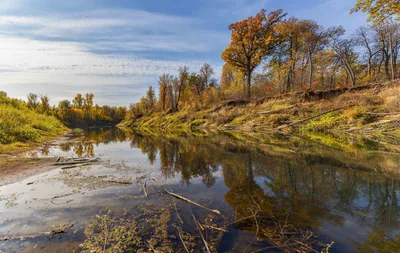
[(372, 112)]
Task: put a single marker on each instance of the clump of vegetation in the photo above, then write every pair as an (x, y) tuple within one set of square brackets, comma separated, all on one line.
[(144, 232), (18, 123)]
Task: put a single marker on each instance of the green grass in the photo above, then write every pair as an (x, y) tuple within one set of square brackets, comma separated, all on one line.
[(20, 125)]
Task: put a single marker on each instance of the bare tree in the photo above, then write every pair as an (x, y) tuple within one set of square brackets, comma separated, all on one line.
[(344, 49), (363, 38), (206, 72)]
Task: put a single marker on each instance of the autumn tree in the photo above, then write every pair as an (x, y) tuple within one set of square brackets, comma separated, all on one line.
[(345, 52), (252, 40), (379, 10), (164, 82), (150, 99), (364, 39), (180, 85), (313, 38), (206, 72), (88, 104), (45, 103), (78, 101), (33, 100)]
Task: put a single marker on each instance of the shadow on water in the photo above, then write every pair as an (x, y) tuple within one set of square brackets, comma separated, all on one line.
[(263, 183)]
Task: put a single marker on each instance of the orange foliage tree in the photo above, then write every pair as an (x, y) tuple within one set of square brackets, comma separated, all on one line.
[(252, 40)]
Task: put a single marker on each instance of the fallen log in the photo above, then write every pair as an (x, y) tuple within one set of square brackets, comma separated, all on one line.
[(80, 161), (76, 166), (277, 110), (313, 117)]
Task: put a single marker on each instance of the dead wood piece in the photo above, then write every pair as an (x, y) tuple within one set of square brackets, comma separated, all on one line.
[(191, 202), (117, 182), (215, 228), (144, 189), (313, 117), (183, 242), (55, 231), (76, 166), (277, 110), (201, 234), (80, 161)]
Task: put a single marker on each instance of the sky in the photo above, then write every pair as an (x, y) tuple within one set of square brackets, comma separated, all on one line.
[(117, 48)]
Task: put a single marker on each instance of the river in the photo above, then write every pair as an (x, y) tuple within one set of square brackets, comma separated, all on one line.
[(313, 194)]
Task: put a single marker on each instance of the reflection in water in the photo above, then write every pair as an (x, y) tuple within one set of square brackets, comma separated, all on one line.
[(321, 188)]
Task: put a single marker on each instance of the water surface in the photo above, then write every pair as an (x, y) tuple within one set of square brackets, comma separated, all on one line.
[(349, 198)]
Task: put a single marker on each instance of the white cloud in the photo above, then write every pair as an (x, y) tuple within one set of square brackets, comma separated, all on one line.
[(50, 67)]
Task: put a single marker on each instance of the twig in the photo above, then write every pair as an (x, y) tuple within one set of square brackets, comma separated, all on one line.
[(183, 242), (144, 189), (177, 213), (201, 234), (215, 228)]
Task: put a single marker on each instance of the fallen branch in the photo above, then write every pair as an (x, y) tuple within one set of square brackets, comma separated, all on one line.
[(144, 189), (191, 202), (180, 237), (55, 231), (77, 161), (201, 234), (117, 182), (313, 117), (277, 110), (215, 228), (76, 166)]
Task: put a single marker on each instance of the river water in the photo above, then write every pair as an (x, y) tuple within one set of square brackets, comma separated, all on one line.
[(313, 193)]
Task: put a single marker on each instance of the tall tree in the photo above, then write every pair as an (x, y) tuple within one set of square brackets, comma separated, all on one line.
[(45, 103), (364, 39), (150, 99), (344, 49), (206, 72), (78, 101), (164, 81), (33, 100), (378, 10), (252, 40), (180, 84), (314, 39), (88, 104)]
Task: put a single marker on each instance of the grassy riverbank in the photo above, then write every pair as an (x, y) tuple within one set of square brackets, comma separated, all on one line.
[(22, 128), (372, 112)]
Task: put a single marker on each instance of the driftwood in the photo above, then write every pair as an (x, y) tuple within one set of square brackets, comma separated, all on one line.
[(313, 117), (76, 166), (191, 202), (144, 189), (75, 161), (55, 231), (277, 110)]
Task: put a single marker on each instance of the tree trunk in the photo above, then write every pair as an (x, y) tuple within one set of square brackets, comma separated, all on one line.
[(310, 83), (248, 83)]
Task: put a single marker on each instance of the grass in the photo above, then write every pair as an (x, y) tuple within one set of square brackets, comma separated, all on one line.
[(21, 127), (365, 114)]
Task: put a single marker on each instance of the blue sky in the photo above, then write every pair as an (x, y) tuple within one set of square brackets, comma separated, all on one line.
[(116, 49)]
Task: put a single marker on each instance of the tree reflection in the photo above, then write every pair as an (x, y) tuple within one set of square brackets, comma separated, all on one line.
[(315, 187)]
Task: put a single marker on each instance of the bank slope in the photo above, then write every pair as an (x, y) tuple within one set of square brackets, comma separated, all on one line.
[(21, 127)]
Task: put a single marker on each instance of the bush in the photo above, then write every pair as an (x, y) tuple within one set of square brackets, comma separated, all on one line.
[(20, 124)]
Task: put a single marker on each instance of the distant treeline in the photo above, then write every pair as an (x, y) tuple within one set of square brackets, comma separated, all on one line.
[(271, 54), (81, 112)]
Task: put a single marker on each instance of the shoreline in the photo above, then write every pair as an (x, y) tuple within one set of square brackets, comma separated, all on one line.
[(16, 164)]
